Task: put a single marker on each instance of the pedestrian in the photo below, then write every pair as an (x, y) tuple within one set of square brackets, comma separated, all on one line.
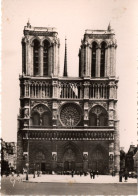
[(93, 174), (126, 176), (72, 173), (97, 173), (120, 176)]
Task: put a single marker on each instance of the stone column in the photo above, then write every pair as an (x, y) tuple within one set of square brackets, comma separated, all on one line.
[(32, 61), (86, 89), (116, 142), (111, 157), (106, 62), (86, 113), (55, 58), (114, 60), (82, 61), (116, 147), (85, 161), (98, 57), (20, 161), (41, 60), (27, 58)]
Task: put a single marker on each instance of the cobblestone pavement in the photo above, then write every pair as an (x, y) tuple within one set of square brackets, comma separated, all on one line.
[(66, 185), (80, 179)]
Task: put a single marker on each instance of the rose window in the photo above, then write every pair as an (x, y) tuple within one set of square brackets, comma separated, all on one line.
[(70, 115)]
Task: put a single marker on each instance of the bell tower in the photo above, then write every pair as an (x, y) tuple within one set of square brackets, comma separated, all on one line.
[(97, 67), (40, 52)]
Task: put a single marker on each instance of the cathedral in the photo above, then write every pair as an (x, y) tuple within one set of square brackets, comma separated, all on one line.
[(68, 123)]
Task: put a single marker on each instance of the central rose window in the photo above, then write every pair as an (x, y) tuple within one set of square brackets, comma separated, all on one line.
[(70, 115)]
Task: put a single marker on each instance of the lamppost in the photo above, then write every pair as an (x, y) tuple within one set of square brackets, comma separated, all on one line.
[(34, 171), (27, 166), (115, 169)]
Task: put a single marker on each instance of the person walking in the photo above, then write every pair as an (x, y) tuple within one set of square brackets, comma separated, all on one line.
[(120, 176), (72, 173), (91, 174), (97, 173), (126, 175)]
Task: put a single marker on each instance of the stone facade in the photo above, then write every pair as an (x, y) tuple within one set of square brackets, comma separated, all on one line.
[(68, 123)]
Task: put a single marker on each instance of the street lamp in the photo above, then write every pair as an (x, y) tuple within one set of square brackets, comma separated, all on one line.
[(27, 165), (34, 171)]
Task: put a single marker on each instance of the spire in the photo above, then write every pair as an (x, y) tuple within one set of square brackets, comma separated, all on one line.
[(28, 24), (109, 27), (65, 60)]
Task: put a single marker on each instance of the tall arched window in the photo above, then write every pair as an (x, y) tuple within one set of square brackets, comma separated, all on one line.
[(93, 65), (103, 120), (36, 119), (36, 57), (46, 119), (102, 62), (24, 57), (98, 116), (45, 58), (93, 120)]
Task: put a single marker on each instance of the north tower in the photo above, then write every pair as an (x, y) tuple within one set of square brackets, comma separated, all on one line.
[(66, 122)]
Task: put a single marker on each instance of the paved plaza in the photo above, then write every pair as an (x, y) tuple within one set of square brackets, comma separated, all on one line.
[(66, 185)]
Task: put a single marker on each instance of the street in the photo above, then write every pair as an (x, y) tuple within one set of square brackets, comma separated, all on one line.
[(17, 187)]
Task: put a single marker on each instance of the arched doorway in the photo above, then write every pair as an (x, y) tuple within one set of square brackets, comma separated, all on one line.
[(99, 160), (69, 160)]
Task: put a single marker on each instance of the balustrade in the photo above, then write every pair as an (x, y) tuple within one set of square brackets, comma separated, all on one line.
[(67, 135), (70, 90), (37, 90), (98, 91), (66, 90)]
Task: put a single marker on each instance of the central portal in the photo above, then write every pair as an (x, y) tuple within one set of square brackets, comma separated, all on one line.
[(69, 160)]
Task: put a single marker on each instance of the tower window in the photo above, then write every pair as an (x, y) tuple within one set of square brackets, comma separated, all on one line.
[(102, 62), (45, 57), (24, 57), (93, 67), (36, 57), (36, 119)]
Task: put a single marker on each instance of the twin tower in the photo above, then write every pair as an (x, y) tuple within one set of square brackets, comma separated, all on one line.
[(68, 123)]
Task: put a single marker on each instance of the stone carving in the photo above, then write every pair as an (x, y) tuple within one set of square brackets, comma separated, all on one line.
[(54, 114), (26, 103), (69, 155), (26, 113), (86, 106), (54, 156), (33, 103), (86, 115), (55, 105), (103, 104), (111, 115), (26, 123), (85, 156), (40, 156)]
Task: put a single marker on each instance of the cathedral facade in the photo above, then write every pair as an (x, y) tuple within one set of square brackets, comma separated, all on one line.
[(68, 123)]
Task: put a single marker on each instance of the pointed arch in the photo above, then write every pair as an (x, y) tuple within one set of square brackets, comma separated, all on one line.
[(98, 116), (102, 59), (93, 62), (36, 45), (46, 45), (35, 118)]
